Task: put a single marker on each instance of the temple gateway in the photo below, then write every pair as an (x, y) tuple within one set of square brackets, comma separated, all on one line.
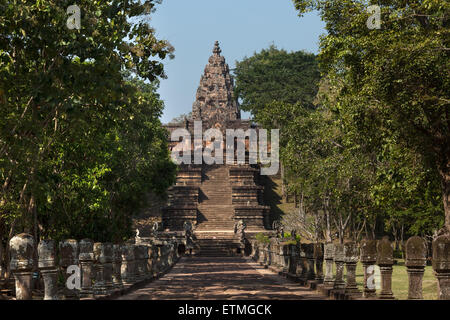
[(216, 209)]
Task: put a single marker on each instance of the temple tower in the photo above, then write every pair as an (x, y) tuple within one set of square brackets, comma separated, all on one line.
[(214, 198), (215, 101)]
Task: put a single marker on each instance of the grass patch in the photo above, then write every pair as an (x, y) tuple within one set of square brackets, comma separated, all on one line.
[(272, 197), (400, 281)]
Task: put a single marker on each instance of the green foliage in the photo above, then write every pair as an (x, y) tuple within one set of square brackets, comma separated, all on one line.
[(398, 254), (288, 235), (394, 82), (375, 147), (80, 137), (260, 237), (276, 75)]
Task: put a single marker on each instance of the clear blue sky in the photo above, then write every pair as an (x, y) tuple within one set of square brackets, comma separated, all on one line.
[(242, 27)]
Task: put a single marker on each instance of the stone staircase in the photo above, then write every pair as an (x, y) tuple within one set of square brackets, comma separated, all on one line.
[(215, 229)]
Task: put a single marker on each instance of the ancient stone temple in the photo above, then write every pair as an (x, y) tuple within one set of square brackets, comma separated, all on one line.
[(214, 198)]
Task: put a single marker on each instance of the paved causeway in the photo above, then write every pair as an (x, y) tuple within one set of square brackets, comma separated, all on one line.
[(211, 278)]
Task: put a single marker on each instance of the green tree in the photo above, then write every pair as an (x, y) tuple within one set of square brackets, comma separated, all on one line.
[(80, 139), (396, 78), (276, 75)]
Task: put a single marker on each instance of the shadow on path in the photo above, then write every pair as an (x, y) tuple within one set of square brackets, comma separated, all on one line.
[(217, 278)]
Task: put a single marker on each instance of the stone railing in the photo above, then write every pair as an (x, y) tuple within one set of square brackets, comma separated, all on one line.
[(304, 263), (73, 270)]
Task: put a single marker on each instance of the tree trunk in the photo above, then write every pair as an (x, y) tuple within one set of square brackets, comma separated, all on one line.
[(2, 270), (283, 186), (395, 234), (445, 181), (328, 222), (295, 199)]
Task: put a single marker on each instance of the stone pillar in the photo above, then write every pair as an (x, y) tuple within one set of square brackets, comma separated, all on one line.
[(154, 258), (368, 258), (303, 265), (309, 250), (149, 262), (351, 252), (318, 259), (286, 257), (107, 259), (269, 254), (171, 254), (99, 284), (128, 264), (293, 252), (159, 260), (260, 253), (86, 259), (68, 251), (328, 280), (139, 258), (103, 253), (280, 255), (385, 260), (47, 267), (416, 260), (441, 265), (144, 253), (21, 264), (254, 250), (339, 260), (117, 266), (265, 255)]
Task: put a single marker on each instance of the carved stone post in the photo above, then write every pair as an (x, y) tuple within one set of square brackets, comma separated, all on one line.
[(286, 257), (103, 261), (277, 255), (144, 254), (99, 284), (117, 266), (139, 258), (86, 259), (128, 266), (266, 255), (154, 258), (318, 258), (68, 250), (328, 281), (149, 262), (339, 260), (159, 260), (47, 267), (351, 252), (368, 258), (21, 251), (416, 260), (293, 252), (385, 260), (163, 250), (309, 250), (254, 250), (441, 265), (107, 259), (303, 266), (269, 254)]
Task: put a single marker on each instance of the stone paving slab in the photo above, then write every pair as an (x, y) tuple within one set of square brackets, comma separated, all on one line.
[(221, 278)]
